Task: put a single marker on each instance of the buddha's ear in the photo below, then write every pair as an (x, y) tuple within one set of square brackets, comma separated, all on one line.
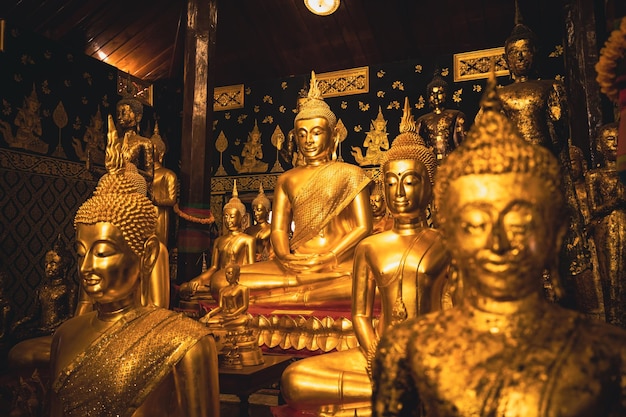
[(335, 139), (150, 255)]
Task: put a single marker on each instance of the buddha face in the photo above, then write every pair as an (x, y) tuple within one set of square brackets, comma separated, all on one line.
[(260, 213), (54, 265), (377, 202), (520, 56), (107, 266), (126, 116), (577, 165), (315, 140), (501, 232), (232, 273), (232, 219), (407, 187), (607, 142), (437, 96)]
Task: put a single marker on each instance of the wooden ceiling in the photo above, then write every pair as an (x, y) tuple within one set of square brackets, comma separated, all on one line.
[(264, 39)]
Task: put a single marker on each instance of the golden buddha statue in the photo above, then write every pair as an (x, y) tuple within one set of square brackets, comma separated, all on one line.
[(125, 358), (228, 322), (503, 349), (328, 203), (381, 218), (442, 129), (54, 303), (136, 148), (406, 266), (235, 246), (261, 229), (538, 109), (607, 206), (164, 188)]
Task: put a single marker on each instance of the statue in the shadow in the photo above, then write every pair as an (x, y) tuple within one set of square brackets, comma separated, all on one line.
[(164, 188), (55, 300), (381, 217), (328, 203), (234, 246), (125, 358), (376, 143), (262, 228), (251, 154), (238, 343), (407, 266), (442, 129), (136, 149), (607, 205), (538, 109), (503, 349)]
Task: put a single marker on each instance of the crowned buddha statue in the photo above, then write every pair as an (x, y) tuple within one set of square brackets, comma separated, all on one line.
[(234, 246), (55, 300), (538, 109), (607, 206), (126, 358), (136, 148), (262, 228), (406, 267), (442, 129), (164, 188), (328, 203), (503, 349)]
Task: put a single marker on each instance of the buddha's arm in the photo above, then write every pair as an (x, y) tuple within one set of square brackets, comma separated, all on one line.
[(197, 381), (360, 212), (557, 112), (597, 206), (363, 295), (281, 223)]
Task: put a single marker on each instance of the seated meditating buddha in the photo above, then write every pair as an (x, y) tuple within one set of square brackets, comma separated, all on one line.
[(503, 350), (406, 267), (124, 358), (238, 343), (328, 203), (262, 228)]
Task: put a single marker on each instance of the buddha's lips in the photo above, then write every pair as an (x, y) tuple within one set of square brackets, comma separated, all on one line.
[(92, 280)]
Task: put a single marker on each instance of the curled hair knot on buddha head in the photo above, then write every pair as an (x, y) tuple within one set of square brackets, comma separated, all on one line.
[(262, 199), (235, 202), (410, 145), (116, 200), (494, 146), (315, 106)]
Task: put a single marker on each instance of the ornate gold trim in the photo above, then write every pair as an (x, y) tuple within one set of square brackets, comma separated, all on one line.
[(140, 89), (18, 161), (344, 83), (228, 97), (476, 65)]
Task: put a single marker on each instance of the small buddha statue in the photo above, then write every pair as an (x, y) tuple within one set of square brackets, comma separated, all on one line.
[(503, 350), (164, 188), (442, 129), (607, 206), (55, 301), (234, 246), (381, 218), (328, 203), (136, 148), (538, 108), (261, 229), (405, 267), (125, 358)]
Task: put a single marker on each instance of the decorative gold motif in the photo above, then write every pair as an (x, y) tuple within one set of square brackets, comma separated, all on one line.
[(376, 142), (228, 97), (127, 85), (251, 154), (278, 138), (28, 123), (60, 120), (477, 65), (221, 144), (345, 82)]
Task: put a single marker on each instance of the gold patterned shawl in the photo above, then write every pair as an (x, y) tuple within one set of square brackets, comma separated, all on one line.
[(121, 368), (328, 191)]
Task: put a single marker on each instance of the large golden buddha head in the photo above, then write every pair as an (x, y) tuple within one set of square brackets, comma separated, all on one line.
[(499, 203)]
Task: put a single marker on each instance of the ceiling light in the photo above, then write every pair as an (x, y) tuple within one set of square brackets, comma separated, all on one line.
[(322, 7)]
